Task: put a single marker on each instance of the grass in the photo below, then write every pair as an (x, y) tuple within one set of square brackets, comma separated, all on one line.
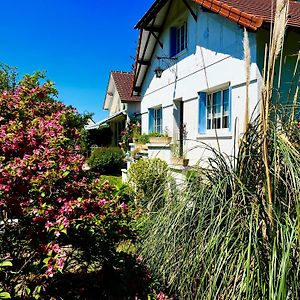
[(113, 180)]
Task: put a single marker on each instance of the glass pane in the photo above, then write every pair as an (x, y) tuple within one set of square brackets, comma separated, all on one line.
[(158, 119), (225, 122), (209, 107), (178, 40), (226, 102), (217, 105), (185, 33), (217, 123), (182, 32), (208, 124)]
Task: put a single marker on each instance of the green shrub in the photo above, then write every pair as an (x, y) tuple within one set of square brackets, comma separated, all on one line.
[(149, 179), (106, 160)]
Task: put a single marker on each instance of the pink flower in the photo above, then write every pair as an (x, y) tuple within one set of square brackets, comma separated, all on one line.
[(102, 202), (60, 262), (49, 271), (56, 248), (123, 206), (48, 225)]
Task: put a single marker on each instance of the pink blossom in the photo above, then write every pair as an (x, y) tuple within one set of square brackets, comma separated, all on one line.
[(123, 206), (49, 271), (48, 225), (102, 202), (56, 248), (60, 262)]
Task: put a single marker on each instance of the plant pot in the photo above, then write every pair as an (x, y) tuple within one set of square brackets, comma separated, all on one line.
[(160, 139), (179, 161)]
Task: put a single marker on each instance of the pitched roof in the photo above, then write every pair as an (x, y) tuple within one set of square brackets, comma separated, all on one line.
[(251, 13), (124, 85)]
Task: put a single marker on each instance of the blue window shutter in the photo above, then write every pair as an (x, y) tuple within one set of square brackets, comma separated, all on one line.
[(173, 32), (202, 113), (151, 120), (230, 109)]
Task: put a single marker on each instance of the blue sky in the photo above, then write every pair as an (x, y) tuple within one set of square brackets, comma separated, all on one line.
[(78, 42)]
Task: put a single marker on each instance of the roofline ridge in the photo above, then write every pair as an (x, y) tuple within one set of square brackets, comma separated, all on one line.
[(232, 13), (122, 72)]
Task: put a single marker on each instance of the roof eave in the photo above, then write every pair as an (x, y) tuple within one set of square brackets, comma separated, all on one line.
[(249, 21)]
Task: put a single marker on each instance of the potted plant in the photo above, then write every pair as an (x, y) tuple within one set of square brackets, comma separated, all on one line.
[(141, 141), (160, 138), (178, 158)]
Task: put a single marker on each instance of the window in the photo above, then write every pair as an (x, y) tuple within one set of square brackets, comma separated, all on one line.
[(155, 119), (214, 110), (158, 120), (217, 110), (178, 39)]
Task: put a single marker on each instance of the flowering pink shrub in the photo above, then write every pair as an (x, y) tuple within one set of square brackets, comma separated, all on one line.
[(53, 219)]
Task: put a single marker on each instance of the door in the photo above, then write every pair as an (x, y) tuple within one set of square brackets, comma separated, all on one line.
[(179, 127)]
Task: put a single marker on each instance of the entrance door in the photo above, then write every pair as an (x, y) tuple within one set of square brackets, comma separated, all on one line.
[(178, 124)]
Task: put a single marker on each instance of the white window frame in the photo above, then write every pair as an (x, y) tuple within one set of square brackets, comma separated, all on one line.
[(223, 114), (157, 119)]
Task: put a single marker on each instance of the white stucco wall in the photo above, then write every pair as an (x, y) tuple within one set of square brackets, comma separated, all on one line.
[(214, 57)]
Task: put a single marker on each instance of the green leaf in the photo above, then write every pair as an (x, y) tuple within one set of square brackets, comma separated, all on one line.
[(46, 260), (5, 295), (66, 173), (6, 263)]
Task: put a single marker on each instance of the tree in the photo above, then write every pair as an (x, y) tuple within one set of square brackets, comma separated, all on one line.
[(53, 219)]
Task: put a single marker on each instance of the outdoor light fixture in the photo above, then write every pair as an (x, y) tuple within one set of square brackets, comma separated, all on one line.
[(158, 71)]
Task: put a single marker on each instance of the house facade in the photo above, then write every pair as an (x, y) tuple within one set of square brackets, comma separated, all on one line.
[(190, 71), (120, 104)]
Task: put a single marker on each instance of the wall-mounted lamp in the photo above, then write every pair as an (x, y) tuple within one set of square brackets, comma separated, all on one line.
[(158, 71)]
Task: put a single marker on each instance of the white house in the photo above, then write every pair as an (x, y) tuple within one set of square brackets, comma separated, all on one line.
[(198, 46), (120, 104)]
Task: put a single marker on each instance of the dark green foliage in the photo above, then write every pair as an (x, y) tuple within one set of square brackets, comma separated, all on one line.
[(107, 160), (8, 78), (143, 139)]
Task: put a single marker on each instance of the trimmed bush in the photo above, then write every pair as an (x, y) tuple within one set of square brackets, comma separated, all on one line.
[(149, 178), (107, 160)]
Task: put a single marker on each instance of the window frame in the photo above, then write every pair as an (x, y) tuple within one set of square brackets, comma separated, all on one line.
[(213, 119), (181, 37), (156, 119), (178, 38), (203, 128)]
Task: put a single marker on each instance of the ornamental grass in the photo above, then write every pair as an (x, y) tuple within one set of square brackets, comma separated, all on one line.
[(233, 231)]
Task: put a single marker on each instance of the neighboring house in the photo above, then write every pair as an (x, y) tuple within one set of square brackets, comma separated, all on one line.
[(198, 46), (120, 104)]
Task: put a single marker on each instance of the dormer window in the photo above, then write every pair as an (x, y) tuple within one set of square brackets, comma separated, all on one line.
[(178, 38)]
